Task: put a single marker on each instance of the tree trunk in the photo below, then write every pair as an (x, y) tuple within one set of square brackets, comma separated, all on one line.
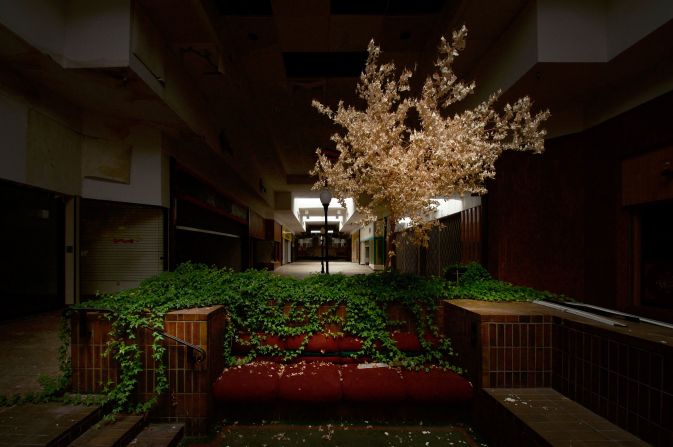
[(390, 244)]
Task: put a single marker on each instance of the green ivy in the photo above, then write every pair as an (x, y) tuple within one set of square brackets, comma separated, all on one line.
[(472, 281), (260, 303)]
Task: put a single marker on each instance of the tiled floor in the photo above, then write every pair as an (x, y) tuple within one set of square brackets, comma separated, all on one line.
[(559, 420), (28, 349), (302, 269)]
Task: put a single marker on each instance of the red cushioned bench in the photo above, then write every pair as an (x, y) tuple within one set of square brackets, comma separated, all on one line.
[(327, 372), (325, 382)]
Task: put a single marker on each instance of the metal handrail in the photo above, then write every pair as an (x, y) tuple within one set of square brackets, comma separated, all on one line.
[(192, 347), (580, 313), (626, 316)]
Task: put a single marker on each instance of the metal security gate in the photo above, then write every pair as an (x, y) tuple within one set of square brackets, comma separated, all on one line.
[(120, 245)]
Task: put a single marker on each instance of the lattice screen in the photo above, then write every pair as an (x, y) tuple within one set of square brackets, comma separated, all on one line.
[(450, 240), (407, 255), (457, 240)]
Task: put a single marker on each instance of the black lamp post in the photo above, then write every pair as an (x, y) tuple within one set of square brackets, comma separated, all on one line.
[(325, 199), (322, 250)]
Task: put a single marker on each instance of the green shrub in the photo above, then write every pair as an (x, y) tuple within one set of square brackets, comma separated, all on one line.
[(465, 274), (472, 281)]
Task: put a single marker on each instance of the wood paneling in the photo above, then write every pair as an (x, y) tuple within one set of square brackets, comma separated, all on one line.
[(557, 221), (457, 240), (256, 225), (273, 231), (648, 178), (470, 235)]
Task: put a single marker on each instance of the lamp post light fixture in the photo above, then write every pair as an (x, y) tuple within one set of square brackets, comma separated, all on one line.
[(322, 250), (325, 199)]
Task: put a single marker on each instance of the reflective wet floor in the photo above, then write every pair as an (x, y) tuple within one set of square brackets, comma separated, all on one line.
[(28, 350), (302, 269)]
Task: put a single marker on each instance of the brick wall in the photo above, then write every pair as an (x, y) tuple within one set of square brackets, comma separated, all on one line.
[(91, 370), (616, 375), (624, 379), (189, 397), (502, 350)]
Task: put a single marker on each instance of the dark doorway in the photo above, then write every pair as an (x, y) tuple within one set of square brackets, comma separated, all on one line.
[(204, 236), (32, 238), (656, 261)]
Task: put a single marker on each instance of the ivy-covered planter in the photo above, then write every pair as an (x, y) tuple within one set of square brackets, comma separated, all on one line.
[(365, 315)]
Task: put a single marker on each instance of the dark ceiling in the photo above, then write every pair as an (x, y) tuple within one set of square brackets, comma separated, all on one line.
[(258, 65), (276, 56)]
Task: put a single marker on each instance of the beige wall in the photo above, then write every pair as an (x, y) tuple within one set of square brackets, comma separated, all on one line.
[(74, 33), (575, 32), (41, 23), (52, 154), (45, 149), (13, 128), (158, 67), (40, 147), (148, 176), (97, 33)]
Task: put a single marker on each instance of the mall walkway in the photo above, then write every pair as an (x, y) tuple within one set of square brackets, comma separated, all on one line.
[(28, 349), (302, 269)]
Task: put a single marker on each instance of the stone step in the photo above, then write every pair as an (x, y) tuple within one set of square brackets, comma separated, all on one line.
[(117, 433), (50, 424), (159, 435), (543, 417)]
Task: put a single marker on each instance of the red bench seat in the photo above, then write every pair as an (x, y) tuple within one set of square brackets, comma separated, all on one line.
[(331, 382)]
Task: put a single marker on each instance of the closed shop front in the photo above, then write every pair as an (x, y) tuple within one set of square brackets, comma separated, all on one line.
[(208, 226), (121, 245)]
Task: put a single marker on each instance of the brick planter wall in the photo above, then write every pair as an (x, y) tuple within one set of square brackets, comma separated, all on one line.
[(91, 370), (501, 350), (189, 397), (619, 373), (625, 379)]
